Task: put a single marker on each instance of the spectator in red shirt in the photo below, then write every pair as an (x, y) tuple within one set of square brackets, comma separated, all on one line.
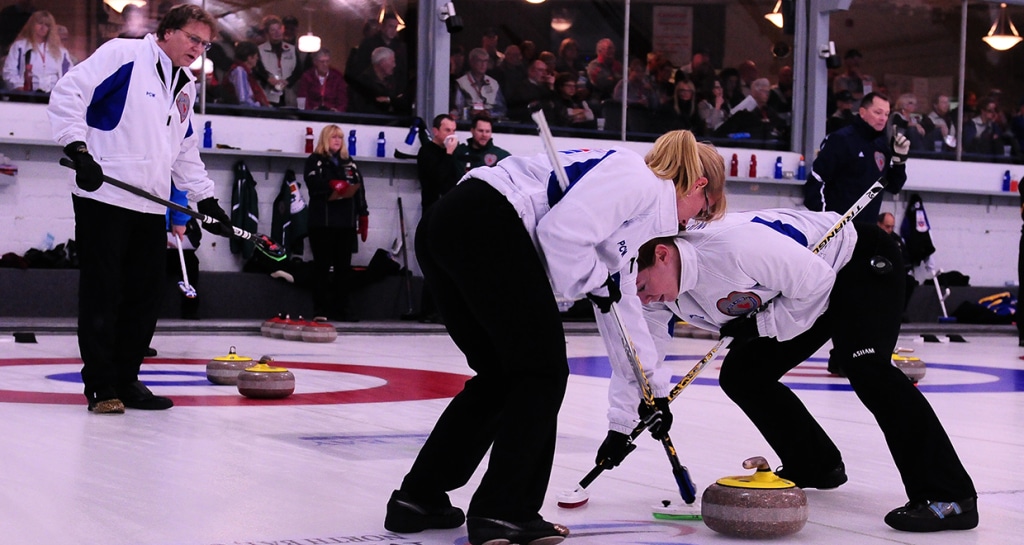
[(322, 86)]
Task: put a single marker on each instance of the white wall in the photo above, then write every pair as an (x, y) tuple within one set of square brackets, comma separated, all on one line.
[(975, 227)]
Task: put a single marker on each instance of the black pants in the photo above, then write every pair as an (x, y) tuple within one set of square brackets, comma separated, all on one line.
[(332, 247), (494, 296), (121, 283), (863, 321), (1020, 288)]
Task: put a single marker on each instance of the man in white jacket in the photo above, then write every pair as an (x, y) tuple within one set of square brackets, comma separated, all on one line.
[(127, 111), (852, 293)]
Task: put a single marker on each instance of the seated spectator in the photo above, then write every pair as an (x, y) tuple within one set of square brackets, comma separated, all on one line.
[(603, 72), (753, 116), (940, 126), (681, 111), (322, 87), (638, 91), (731, 87), (279, 68), (781, 97), (984, 136), (387, 36), (714, 110), (843, 115), (36, 59), (375, 90), (510, 68), (478, 92), (241, 86), (569, 60), (479, 150), (569, 110), (536, 89), (905, 120)]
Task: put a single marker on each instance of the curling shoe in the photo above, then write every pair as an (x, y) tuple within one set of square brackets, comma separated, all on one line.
[(405, 516), (485, 531), (137, 396), (934, 516), (823, 481), (106, 406)]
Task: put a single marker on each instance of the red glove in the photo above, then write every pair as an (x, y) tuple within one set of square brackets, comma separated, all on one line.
[(343, 188), (364, 227)]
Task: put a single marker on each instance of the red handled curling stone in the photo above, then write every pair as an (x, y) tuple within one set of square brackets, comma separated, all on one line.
[(265, 381), (267, 328), (293, 329), (319, 331), (224, 369), (758, 506), (277, 328), (911, 366)]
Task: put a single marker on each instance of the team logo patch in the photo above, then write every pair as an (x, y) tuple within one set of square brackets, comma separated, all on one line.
[(490, 159), (182, 103), (739, 303), (879, 160)]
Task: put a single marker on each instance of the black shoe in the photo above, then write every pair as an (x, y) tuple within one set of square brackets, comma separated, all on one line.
[(824, 481), (137, 396), (485, 531), (151, 352), (405, 516), (934, 516)]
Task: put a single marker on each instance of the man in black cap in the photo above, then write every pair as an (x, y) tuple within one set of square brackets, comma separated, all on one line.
[(843, 115)]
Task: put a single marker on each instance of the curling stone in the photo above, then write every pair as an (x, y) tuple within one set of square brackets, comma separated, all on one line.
[(277, 328), (758, 506), (292, 330), (265, 381), (268, 325), (224, 369), (911, 366), (319, 331)]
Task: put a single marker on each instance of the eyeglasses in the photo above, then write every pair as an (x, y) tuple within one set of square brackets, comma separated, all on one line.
[(196, 40)]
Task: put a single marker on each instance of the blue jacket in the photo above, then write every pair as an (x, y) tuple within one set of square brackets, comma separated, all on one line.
[(850, 160)]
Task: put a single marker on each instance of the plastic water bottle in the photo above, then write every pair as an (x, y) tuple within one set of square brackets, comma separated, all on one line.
[(1006, 181), (734, 167), (380, 144), (208, 135), (309, 139), (778, 168), (410, 138), (753, 166), (352, 142), (801, 169)]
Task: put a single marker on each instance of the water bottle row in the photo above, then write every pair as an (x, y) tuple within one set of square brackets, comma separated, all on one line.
[(734, 167), (309, 140)]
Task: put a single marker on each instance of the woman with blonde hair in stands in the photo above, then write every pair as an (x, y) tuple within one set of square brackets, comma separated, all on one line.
[(36, 59)]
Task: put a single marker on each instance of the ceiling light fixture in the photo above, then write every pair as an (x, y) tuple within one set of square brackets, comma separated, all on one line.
[(119, 5), (1003, 35), (776, 15)]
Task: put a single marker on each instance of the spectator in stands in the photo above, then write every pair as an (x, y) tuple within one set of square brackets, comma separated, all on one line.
[(700, 71), (291, 29), (386, 37), (489, 43), (479, 150), (477, 91), (1017, 124), (529, 51), (984, 136), (36, 59), (730, 79), (748, 73), (279, 68), (569, 60), (135, 23), (569, 110), (714, 110), (323, 87), (337, 205), (843, 115), (781, 97), (940, 126), (536, 90), (603, 72), (907, 121), (375, 90), (639, 91), (755, 117), (511, 68), (853, 80), (241, 86), (352, 68), (681, 111)]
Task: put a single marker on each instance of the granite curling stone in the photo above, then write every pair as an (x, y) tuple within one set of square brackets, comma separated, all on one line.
[(319, 331), (911, 366), (293, 329), (224, 369), (758, 506), (277, 328), (267, 328), (265, 381)]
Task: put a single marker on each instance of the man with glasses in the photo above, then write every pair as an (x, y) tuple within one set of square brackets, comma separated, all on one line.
[(986, 135), (126, 111)]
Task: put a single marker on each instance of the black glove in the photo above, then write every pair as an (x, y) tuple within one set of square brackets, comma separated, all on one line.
[(659, 420), (210, 207), (614, 449), (88, 173), (742, 330), (900, 149), (604, 301)]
